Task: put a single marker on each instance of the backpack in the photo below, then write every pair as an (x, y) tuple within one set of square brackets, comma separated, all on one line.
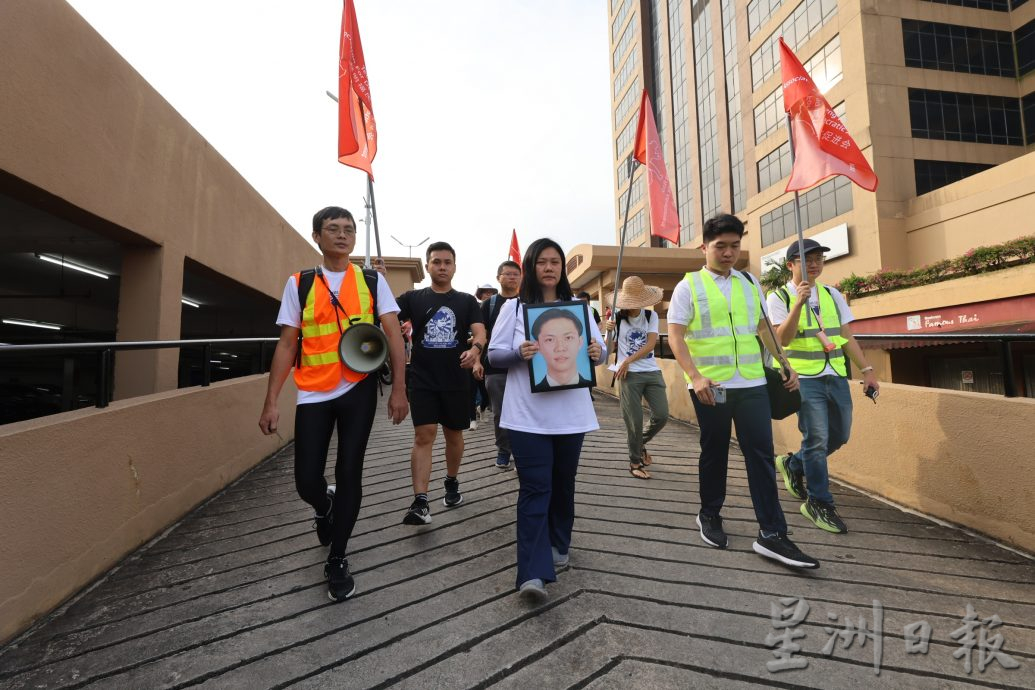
[(305, 284)]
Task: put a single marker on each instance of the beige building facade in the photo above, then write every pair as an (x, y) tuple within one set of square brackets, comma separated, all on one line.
[(939, 95)]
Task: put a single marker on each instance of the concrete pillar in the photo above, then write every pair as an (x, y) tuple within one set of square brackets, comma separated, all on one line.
[(149, 309)]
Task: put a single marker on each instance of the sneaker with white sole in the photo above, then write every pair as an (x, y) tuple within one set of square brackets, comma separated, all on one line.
[(780, 548), (711, 531), (560, 560), (453, 496), (532, 590), (324, 524), (503, 461), (418, 514), (340, 584)]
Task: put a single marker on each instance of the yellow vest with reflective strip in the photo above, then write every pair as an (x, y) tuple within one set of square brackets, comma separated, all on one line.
[(722, 335), (805, 353), (322, 325)]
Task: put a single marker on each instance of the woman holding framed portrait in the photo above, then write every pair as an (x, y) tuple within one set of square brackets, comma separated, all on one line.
[(548, 345)]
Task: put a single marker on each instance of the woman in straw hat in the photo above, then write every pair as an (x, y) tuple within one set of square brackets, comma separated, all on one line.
[(636, 368)]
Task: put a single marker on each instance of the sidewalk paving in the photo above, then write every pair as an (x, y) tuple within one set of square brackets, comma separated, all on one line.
[(234, 595)]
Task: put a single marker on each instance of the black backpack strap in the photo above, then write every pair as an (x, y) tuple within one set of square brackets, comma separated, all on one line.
[(785, 297), (371, 278), (305, 284)]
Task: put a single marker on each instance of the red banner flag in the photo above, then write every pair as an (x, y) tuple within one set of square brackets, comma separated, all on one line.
[(357, 131), (515, 253), (822, 146), (664, 219)]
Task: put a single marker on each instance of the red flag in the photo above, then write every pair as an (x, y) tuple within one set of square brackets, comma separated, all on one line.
[(664, 219), (357, 131), (822, 146), (515, 253)]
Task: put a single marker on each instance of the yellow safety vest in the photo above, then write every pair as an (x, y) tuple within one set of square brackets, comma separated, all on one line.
[(805, 353), (722, 335), (322, 325)]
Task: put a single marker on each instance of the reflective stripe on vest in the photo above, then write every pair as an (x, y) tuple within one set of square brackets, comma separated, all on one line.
[(721, 336), (321, 368), (805, 353)]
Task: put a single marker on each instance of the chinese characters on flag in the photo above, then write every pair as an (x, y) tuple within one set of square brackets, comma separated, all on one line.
[(515, 253), (357, 131), (822, 146), (664, 221)]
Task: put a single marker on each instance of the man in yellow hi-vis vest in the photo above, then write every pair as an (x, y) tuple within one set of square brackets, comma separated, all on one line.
[(713, 319), (819, 357), (330, 395)]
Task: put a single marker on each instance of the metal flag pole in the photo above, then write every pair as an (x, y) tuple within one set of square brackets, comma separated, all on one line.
[(373, 211), (366, 204), (827, 344), (632, 163)]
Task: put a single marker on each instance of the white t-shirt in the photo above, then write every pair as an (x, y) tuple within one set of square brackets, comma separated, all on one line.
[(778, 313), (681, 311), (556, 412), (291, 315), (632, 336)]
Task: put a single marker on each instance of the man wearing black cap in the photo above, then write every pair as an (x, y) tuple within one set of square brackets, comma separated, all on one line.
[(812, 323)]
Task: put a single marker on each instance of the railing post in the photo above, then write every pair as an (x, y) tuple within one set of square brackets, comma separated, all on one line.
[(1009, 389), (206, 364), (103, 374)]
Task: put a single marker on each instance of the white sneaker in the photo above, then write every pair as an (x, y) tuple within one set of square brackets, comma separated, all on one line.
[(532, 590), (560, 560), (474, 424)]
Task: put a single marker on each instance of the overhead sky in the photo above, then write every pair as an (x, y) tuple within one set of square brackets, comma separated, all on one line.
[(491, 114)]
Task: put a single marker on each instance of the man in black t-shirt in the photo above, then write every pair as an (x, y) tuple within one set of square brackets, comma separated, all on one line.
[(509, 277), (437, 379)]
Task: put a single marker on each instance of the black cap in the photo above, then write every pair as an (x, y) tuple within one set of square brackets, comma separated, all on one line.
[(810, 246)]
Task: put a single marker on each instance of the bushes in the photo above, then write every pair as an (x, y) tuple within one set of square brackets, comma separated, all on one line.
[(976, 260)]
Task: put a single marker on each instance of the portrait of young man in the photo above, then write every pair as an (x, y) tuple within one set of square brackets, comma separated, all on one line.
[(560, 334)]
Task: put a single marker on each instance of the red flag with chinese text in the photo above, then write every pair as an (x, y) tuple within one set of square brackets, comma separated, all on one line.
[(822, 146), (515, 253), (357, 131), (664, 219)]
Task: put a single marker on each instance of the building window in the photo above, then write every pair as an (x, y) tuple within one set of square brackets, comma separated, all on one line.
[(631, 98), (623, 145), (929, 45), (738, 195), (965, 117), (707, 108), (931, 175), (1025, 37), (774, 167), (805, 21), (635, 230), (825, 69), (622, 78), (623, 12), (1028, 105), (623, 44), (759, 12), (680, 115), (658, 69), (995, 5), (637, 195), (818, 205)]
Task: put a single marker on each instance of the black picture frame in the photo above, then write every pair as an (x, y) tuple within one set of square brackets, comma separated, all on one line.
[(554, 362)]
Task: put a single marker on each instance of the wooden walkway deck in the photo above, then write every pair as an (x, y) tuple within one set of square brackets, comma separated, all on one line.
[(233, 596)]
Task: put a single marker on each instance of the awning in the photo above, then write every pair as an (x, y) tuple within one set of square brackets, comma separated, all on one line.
[(894, 342)]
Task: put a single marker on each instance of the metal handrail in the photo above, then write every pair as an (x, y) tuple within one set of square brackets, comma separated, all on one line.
[(105, 349)]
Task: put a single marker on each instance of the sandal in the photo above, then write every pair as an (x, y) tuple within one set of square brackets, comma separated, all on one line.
[(638, 471), (647, 459)]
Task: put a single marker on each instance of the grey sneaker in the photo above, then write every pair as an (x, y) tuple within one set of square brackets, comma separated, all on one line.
[(560, 560), (532, 590)]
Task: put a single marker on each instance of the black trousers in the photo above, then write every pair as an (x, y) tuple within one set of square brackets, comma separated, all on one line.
[(353, 415)]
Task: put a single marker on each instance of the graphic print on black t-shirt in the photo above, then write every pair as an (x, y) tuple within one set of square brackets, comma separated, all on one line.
[(441, 321)]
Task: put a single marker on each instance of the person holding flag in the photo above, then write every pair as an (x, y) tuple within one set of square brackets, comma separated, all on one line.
[(817, 336)]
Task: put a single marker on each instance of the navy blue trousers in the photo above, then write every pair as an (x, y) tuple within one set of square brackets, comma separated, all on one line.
[(546, 467)]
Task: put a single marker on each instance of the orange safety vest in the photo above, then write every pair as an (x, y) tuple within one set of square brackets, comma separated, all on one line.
[(321, 368)]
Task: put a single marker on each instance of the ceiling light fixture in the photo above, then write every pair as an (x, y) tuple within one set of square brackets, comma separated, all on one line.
[(33, 324), (189, 303), (74, 266)]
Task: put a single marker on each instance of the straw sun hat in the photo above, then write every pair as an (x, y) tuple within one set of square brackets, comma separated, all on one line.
[(635, 295)]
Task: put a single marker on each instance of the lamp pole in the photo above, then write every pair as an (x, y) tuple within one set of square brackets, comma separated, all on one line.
[(410, 247)]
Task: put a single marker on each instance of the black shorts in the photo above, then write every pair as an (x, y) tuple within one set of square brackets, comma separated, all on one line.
[(451, 409)]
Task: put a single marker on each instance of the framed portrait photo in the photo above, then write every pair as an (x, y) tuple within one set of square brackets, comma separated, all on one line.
[(561, 329)]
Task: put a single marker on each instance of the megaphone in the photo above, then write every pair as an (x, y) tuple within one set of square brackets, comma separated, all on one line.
[(363, 347)]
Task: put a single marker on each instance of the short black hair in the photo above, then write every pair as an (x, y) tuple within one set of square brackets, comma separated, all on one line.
[(583, 295), (550, 315), (507, 264), (439, 247), (722, 224), (330, 213)]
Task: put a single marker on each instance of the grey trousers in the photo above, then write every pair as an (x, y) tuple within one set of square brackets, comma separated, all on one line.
[(636, 386), (496, 384)]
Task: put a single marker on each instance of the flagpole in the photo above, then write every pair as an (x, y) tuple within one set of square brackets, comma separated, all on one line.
[(373, 210), (631, 164), (366, 221)]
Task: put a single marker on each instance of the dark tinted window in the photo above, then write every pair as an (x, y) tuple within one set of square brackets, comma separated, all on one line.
[(931, 175), (965, 117), (930, 45)]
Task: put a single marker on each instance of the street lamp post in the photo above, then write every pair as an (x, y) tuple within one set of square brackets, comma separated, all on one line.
[(410, 247)]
